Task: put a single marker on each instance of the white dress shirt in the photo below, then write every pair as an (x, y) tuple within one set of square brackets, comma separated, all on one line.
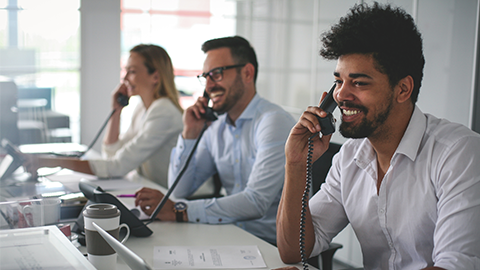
[(250, 160), (145, 146), (427, 212)]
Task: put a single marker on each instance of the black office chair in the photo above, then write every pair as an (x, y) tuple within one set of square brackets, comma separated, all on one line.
[(319, 173), (216, 192)]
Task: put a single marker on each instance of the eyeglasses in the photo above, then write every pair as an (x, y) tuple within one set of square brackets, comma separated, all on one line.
[(215, 74)]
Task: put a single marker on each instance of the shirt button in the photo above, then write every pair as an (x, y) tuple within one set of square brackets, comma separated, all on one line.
[(219, 220), (382, 211), (236, 160), (236, 136)]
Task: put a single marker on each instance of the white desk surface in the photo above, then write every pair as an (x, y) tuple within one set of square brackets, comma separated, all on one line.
[(193, 234), (190, 234)]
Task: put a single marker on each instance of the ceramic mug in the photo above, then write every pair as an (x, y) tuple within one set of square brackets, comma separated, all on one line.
[(107, 216), (42, 212)]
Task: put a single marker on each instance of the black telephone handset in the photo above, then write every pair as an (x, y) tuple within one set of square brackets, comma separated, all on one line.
[(122, 100), (328, 127), (328, 105), (209, 114)]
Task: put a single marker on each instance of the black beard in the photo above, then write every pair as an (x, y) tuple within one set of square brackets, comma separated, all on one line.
[(235, 93), (366, 127)]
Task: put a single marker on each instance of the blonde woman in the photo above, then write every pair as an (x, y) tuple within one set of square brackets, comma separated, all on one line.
[(155, 125)]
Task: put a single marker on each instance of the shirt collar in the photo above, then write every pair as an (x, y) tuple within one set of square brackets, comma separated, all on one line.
[(409, 145), (411, 140), (249, 111)]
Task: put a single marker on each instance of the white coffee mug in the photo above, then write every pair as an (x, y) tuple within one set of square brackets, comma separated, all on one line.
[(107, 216), (42, 212)]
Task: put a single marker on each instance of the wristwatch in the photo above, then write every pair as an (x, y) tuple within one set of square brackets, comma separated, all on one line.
[(179, 208)]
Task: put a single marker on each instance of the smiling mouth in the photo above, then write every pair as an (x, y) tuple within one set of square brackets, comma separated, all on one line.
[(215, 94), (350, 112)]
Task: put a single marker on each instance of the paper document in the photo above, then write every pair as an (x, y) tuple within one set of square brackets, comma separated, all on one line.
[(207, 257)]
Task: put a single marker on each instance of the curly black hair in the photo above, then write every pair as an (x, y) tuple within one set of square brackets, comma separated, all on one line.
[(241, 50), (387, 33)]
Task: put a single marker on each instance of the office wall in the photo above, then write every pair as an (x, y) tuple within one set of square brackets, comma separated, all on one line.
[(286, 35)]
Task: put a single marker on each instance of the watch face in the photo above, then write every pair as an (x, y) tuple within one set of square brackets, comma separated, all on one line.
[(180, 206)]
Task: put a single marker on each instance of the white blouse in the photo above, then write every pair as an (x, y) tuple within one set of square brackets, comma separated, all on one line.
[(146, 145)]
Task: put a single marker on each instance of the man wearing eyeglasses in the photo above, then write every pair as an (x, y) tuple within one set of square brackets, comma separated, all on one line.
[(245, 146)]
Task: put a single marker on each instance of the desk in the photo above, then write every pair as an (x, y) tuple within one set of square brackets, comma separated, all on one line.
[(193, 234)]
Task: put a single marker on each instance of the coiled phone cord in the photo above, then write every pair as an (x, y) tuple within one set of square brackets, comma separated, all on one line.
[(306, 193)]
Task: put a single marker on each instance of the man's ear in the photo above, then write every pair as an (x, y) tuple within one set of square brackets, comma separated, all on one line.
[(405, 89), (248, 72)]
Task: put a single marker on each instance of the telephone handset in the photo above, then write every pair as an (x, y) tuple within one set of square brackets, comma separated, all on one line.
[(328, 127), (122, 100), (328, 105), (209, 114)]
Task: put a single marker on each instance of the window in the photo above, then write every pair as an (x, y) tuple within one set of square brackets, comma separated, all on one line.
[(180, 27), (39, 48)]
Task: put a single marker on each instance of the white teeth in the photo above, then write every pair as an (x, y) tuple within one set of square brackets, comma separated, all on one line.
[(350, 112), (212, 95)]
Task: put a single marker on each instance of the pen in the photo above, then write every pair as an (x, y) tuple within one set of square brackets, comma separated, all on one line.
[(126, 196)]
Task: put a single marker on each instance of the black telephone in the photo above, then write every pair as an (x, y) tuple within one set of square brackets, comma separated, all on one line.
[(122, 100), (209, 114), (328, 127), (328, 105)]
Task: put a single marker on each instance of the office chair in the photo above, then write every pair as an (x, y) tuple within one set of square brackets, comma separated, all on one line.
[(319, 173), (216, 192)]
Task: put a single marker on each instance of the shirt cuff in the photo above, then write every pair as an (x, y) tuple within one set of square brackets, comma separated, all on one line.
[(98, 168), (456, 260), (196, 212), (109, 150)]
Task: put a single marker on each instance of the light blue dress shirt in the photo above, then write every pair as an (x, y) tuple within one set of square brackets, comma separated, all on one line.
[(250, 160)]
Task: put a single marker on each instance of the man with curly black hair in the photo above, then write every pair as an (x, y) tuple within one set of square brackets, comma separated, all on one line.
[(406, 181)]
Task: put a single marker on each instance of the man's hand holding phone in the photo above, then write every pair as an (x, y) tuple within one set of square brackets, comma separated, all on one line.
[(193, 121), (307, 126), (195, 116)]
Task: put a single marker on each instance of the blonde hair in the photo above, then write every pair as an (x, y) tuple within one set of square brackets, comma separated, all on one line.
[(157, 59)]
